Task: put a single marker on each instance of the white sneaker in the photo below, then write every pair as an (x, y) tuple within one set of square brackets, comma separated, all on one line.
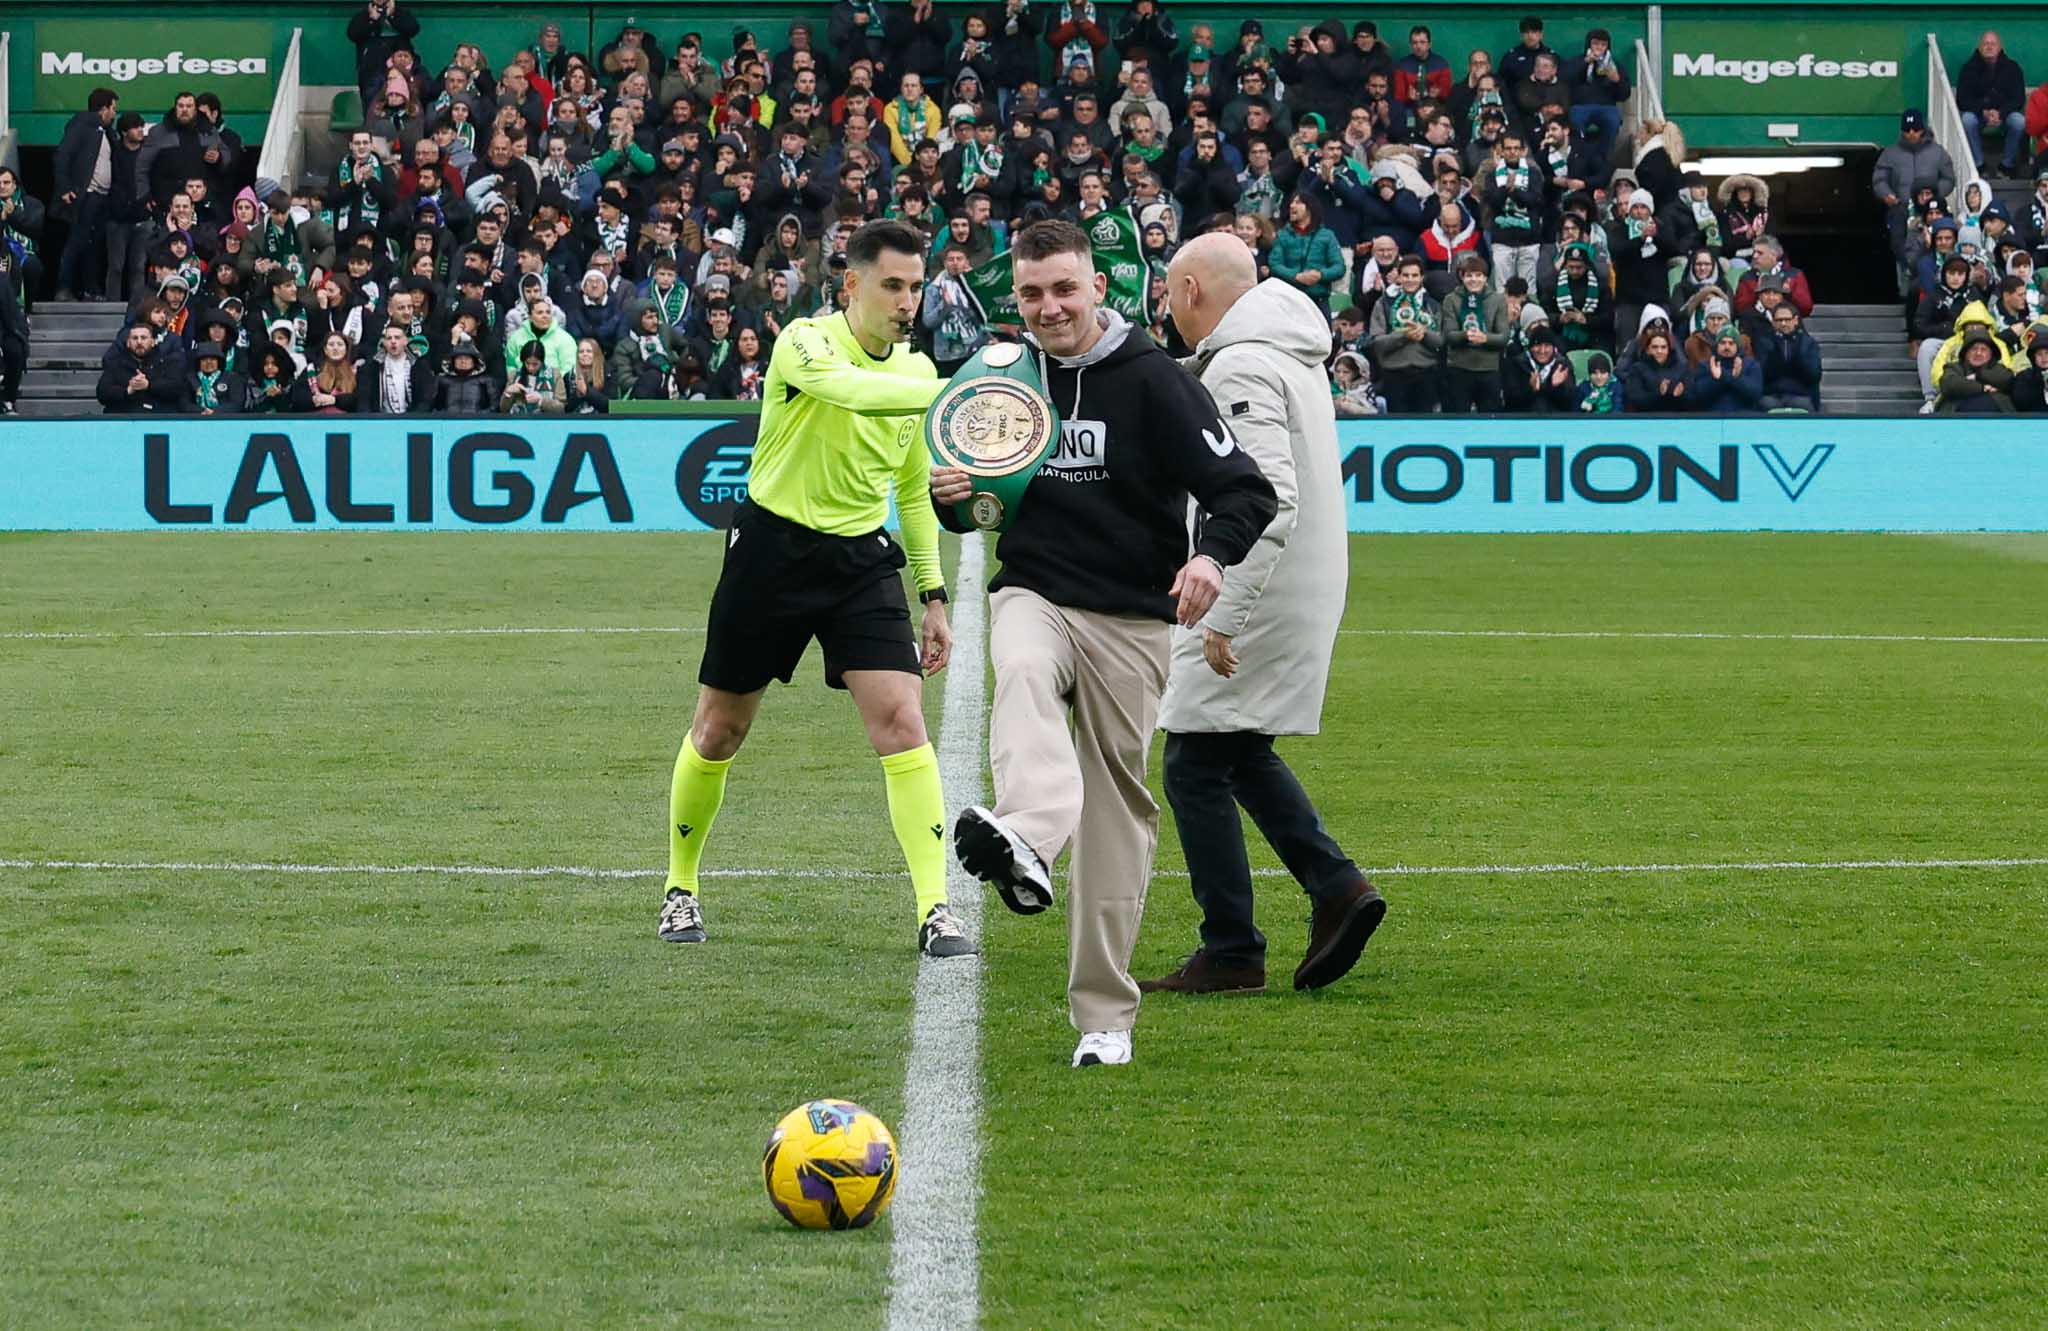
[(1927, 407), (1101, 1048)]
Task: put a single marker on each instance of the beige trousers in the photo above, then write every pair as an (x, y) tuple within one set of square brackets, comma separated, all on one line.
[(1077, 694)]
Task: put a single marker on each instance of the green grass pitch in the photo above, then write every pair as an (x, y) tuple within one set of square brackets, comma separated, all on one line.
[(1710, 1098)]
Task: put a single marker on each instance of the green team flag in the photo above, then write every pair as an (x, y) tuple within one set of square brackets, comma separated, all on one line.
[(1119, 253)]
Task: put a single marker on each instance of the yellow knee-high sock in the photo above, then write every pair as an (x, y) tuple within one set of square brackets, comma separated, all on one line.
[(917, 810), (694, 794)]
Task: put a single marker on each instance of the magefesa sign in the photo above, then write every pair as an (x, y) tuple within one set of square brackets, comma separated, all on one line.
[(148, 64), (1755, 69)]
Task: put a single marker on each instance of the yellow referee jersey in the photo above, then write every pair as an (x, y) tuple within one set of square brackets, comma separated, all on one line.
[(837, 425)]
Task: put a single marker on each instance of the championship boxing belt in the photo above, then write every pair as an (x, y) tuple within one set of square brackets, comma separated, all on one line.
[(994, 422)]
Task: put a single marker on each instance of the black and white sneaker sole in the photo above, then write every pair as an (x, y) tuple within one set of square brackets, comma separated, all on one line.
[(683, 936), (994, 854)]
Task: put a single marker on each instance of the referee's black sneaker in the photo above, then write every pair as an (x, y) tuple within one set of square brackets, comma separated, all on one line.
[(941, 935), (1339, 927), (682, 919), (990, 851)]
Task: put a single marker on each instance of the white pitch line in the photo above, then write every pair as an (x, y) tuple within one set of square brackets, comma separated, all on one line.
[(506, 632), (934, 1258), (1653, 634), (969, 901), (520, 631)]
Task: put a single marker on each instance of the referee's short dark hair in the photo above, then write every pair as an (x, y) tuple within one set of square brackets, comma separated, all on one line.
[(872, 238), (1042, 240)]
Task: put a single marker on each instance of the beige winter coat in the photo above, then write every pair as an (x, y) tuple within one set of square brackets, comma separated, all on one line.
[(1264, 367)]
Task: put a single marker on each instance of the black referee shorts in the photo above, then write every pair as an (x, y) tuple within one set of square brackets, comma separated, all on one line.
[(784, 584)]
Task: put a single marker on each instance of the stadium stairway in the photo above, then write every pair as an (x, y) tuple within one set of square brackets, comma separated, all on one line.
[(1867, 367), (64, 349)]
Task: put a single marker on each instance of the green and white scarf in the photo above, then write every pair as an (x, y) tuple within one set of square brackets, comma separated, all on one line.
[(21, 238), (671, 303), (1600, 398), (1479, 105), (209, 390), (1589, 304), (1469, 307), (280, 244), (1260, 195), (652, 349), (543, 383), (1404, 308), (1510, 180), (366, 209), (976, 160), (613, 237), (1560, 158), (1078, 49), (1709, 225)]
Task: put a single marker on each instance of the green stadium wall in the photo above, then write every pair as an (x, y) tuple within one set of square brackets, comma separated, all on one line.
[(1896, 30)]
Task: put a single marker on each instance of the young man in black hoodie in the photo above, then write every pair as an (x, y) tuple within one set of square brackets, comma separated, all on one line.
[(1096, 570)]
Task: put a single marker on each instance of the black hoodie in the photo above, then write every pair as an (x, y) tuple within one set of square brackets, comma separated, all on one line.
[(1103, 525)]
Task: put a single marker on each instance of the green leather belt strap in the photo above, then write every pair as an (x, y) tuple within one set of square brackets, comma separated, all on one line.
[(995, 422)]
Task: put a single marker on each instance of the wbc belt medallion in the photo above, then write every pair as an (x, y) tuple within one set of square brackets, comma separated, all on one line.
[(995, 423)]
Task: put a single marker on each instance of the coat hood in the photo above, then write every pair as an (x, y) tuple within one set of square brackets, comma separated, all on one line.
[(1275, 314), (1116, 343), (1975, 315), (1758, 189), (1651, 314)]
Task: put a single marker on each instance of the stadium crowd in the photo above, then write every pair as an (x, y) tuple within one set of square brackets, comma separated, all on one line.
[(564, 230)]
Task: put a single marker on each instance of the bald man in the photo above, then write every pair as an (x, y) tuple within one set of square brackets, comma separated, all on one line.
[(1258, 663)]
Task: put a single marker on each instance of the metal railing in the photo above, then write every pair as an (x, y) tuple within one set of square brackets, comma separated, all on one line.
[(282, 141), (1647, 101), (1945, 119), (6, 97)]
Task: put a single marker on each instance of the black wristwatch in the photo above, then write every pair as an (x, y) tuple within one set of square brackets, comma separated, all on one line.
[(935, 594)]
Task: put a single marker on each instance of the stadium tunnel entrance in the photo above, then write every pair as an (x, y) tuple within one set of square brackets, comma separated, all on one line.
[(1822, 208)]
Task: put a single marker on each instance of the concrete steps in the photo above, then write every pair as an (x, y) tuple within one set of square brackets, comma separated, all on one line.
[(65, 345), (1869, 367)]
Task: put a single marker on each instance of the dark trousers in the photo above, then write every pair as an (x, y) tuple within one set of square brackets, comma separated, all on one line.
[(127, 246), (1208, 777), (1467, 391), (13, 363), (79, 267), (1409, 392)]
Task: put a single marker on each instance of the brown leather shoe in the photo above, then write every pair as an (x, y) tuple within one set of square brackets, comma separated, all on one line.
[(1338, 930), (1199, 974)]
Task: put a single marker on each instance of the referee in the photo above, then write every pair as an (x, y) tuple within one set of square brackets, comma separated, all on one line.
[(806, 557), (1096, 570)]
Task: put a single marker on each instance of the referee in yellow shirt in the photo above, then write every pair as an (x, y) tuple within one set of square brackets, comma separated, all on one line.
[(842, 413)]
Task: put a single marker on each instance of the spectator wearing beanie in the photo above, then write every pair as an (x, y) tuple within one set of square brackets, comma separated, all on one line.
[(1601, 393), (1640, 256), (1727, 382), (1536, 379), (1578, 304), (2030, 385), (379, 28), (1475, 330)]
